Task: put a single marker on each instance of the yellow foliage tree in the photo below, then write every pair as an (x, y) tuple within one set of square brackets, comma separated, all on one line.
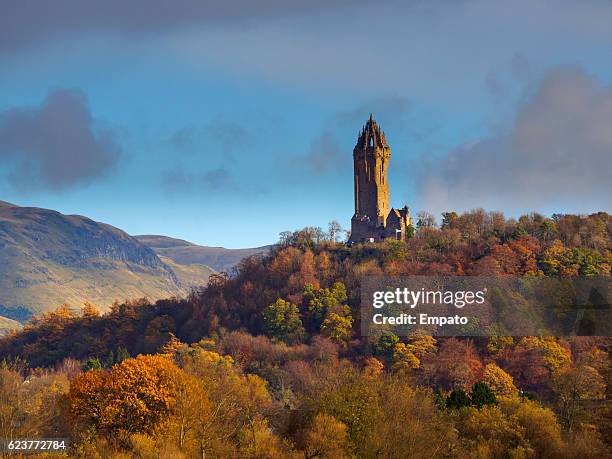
[(542, 430), (257, 441), (493, 433), (90, 310), (499, 381), (572, 385), (338, 328), (327, 438), (236, 400), (555, 355), (422, 344), (404, 357)]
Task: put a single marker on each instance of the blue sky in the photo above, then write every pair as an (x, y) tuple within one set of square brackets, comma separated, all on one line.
[(225, 125)]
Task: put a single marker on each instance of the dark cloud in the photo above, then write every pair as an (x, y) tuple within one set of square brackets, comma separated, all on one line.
[(26, 23), (557, 153), (57, 145)]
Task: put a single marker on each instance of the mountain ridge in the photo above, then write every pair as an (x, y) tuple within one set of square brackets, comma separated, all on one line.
[(185, 252), (48, 258)]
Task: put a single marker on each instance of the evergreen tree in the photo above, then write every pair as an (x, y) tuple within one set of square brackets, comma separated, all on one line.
[(385, 346), (439, 399), (92, 363), (482, 395), (122, 354), (458, 399)]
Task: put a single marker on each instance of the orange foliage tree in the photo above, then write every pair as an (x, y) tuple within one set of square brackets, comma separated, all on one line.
[(134, 396)]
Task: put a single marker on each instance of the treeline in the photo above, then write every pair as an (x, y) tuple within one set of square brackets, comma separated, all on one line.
[(286, 325), (475, 243), (293, 401)]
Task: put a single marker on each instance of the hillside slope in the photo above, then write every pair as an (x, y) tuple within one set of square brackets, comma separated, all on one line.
[(186, 253), (47, 258)]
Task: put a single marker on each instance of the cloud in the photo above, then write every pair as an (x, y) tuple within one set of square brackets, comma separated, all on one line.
[(229, 135), (183, 138), (434, 50), (57, 145), (323, 156), (23, 24), (217, 181), (557, 154), (325, 153)]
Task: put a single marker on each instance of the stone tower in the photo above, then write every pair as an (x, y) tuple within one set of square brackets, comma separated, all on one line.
[(370, 161)]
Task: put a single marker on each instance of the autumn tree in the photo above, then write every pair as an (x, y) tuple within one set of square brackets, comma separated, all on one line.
[(499, 381), (282, 321), (306, 272), (385, 345), (573, 386), (532, 361), (404, 358), (238, 402), (256, 440), (513, 428), (133, 396), (327, 438), (409, 355), (490, 433), (541, 428), (455, 365), (337, 327), (319, 302), (382, 413), (31, 407)]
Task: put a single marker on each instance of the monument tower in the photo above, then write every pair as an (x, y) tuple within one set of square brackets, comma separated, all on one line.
[(374, 220)]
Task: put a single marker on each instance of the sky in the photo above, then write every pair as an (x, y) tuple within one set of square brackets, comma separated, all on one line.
[(225, 123)]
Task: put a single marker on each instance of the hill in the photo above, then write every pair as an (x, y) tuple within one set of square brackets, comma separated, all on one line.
[(187, 253), (47, 259), (287, 325)]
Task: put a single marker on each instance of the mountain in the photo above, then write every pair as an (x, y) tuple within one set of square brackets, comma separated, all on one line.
[(183, 252), (47, 258)]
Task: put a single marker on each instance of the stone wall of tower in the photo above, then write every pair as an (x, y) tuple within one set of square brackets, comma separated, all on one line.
[(371, 160), (374, 219)]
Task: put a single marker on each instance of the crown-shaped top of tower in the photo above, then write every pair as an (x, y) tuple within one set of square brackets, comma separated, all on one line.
[(371, 135)]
